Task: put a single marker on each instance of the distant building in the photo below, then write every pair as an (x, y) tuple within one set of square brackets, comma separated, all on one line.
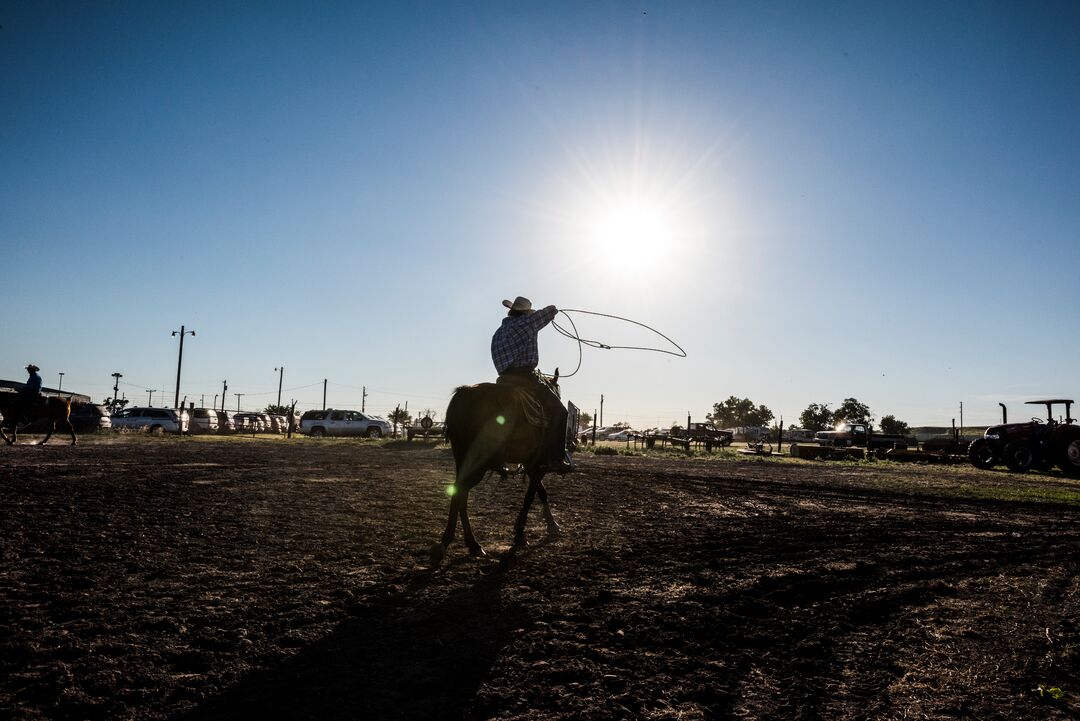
[(15, 386)]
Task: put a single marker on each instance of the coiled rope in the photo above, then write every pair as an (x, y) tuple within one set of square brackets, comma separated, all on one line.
[(680, 353)]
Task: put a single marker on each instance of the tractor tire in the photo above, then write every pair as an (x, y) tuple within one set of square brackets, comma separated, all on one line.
[(1019, 456), (1069, 457), (981, 454)]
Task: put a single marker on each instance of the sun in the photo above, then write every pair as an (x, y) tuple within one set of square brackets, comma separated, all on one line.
[(630, 237)]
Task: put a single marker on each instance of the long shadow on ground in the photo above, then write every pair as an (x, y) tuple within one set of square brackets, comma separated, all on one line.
[(393, 659)]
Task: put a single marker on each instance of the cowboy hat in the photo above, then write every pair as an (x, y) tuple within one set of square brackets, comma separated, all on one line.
[(520, 303), (32, 368)]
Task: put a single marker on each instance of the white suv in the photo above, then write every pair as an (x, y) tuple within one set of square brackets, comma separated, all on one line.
[(342, 423), (155, 420), (204, 420)]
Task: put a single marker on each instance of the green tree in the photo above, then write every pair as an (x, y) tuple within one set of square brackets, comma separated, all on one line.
[(584, 420), (114, 407), (816, 417), (893, 427), (399, 416), (276, 410), (852, 411), (736, 412)]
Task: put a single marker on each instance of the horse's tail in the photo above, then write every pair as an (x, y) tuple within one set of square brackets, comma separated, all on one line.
[(455, 412)]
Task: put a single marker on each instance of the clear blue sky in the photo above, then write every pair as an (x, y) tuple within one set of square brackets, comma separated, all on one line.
[(816, 201)]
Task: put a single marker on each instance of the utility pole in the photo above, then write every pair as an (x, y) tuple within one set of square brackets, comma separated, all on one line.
[(324, 394), (180, 361), (281, 377), (224, 387), (116, 388), (150, 400), (238, 400), (363, 400), (961, 416), (215, 402), (61, 384), (601, 410)]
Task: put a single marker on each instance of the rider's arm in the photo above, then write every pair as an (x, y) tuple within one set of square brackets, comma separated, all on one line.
[(541, 318)]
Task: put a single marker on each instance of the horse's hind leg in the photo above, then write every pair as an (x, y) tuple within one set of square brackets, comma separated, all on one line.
[(438, 549), (71, 430), (52, 427)]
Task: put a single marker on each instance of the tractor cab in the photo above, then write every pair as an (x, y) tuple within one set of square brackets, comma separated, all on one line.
[(1050, 420)]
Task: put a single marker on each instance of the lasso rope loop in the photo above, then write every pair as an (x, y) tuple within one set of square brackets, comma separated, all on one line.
[(680, 353)]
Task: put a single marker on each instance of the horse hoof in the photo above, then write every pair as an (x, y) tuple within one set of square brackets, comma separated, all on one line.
[(519, 541), (554, 529), (438, 551), (477, 551)]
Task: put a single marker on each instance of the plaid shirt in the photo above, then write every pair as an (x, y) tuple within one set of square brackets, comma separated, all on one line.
[(514, 343)]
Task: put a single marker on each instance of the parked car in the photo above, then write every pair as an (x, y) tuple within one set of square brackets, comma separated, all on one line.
[(625, 434), (252, 422), (226, 424), (333, 422), (204, 420), (280, 423), (153, 420), (87, 417)]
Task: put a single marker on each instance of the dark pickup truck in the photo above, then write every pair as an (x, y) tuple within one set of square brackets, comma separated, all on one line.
[(704, 432), (861, 435)]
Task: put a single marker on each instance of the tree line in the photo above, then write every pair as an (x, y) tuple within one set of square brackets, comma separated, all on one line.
[(736, 412)]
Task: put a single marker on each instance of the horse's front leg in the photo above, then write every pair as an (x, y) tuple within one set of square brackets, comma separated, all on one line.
[(470, 540), (9, 440), (534, 476), (541, 490), (52, 427)]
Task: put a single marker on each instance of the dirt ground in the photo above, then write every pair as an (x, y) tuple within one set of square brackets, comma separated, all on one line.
[(251, 579)]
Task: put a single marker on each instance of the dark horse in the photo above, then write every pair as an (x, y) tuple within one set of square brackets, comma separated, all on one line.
[(55, 411), (491, 425)]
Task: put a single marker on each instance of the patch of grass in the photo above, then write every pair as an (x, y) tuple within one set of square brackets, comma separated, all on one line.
[(1022, 491)]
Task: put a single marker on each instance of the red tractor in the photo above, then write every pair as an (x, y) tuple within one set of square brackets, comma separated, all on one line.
[(1035, 444)]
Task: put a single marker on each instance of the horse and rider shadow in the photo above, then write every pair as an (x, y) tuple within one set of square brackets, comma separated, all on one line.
[(409, 649), (49, 412)]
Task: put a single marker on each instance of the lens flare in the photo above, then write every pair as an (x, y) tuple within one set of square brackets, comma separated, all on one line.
[(501, 420), (451, 490)]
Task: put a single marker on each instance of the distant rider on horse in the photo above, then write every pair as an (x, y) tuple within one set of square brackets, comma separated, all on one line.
[(30, 394), (515, 354)]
